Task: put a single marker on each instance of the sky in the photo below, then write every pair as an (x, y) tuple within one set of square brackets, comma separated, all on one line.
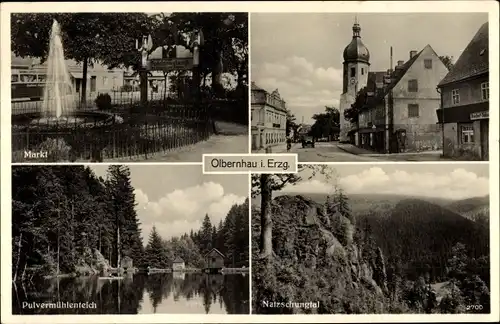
[(448, 181), (175, 198), (301, 53)]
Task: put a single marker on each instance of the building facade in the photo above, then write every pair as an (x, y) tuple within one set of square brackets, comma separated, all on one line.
[(268, 119), (400, 105), (465, 93), (214, 259), (100, 79)]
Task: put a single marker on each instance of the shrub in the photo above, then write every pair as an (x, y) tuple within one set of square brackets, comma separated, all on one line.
[(103, 101), (57, 149)]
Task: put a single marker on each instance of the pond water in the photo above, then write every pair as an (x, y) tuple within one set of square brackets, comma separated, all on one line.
[(177, 293)]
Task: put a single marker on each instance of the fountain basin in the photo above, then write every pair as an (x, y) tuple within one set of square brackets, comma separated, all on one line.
[(75, 120)]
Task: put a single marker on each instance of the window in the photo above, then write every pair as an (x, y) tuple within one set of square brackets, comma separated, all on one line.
[(213, 260), (485, 90), (105, 80), (353, 72), (362, 71), (412, 110), (14, 78), (467, 133), (428, 63), (455, 96), (413, 85)]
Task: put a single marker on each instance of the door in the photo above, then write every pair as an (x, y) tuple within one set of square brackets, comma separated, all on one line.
[(485, 130), (78, 83)]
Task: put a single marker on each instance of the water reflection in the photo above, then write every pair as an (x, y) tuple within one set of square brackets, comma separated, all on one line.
[(179, 293)]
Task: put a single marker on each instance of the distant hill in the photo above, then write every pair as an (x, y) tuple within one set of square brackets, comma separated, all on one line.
[(476, 209), (421, 235)]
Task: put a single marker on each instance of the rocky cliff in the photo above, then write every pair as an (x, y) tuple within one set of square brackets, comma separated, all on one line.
[(317, 259)]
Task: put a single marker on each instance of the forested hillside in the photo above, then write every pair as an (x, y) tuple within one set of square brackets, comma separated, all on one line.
[(230, 237), (65, 220)]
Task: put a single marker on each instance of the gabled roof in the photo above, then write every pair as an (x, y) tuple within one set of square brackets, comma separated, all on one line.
[(178, 260), (217, 251), (398, 73), (473, 61)]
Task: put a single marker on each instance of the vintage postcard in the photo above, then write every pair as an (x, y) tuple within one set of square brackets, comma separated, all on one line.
[(249, 162)]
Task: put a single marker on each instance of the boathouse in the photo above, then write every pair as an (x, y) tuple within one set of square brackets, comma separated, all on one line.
[(214, 260), (178, 264)]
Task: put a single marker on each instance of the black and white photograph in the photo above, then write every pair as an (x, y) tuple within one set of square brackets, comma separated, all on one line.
[(372, 239), (354, 87), (120, 87), (137, 239)]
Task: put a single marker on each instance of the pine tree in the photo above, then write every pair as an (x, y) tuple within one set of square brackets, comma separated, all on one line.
[(128, 237), (155, 254), (206, 235)]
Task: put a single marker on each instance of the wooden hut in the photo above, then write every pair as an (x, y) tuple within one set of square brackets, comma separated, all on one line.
[(214, 260), (178, 264)]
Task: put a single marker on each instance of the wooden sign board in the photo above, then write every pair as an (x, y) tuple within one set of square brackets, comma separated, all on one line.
[(480, 115), (171, 64)]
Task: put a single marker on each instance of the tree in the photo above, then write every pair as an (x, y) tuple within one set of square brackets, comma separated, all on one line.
[(206, 235), (88, 38), (155, 251), (447, 61), (291, 123), (326, 124), (128, 239), (225, 46), (352, 113)]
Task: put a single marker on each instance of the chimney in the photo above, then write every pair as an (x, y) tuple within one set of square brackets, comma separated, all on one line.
[(400, 63), (412, 54), (387, 77)]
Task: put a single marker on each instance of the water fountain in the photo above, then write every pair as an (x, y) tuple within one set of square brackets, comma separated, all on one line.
[(60, 100)]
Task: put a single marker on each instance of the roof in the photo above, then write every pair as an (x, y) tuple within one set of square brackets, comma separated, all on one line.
[(217, 251), (178, 260), (373, 79), (20, 61), (473, 61), (254, 87), (398, 73), (356, 51)]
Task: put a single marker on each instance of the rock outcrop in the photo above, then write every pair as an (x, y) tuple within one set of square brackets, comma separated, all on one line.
[(316, 259)]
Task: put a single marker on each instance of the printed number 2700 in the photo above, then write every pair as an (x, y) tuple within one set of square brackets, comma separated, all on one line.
[(474, 307)]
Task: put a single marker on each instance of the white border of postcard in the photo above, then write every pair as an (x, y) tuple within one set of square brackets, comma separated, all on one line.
[(310, 6)]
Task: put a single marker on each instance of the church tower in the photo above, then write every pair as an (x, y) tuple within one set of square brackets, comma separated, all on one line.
[(355, 76)]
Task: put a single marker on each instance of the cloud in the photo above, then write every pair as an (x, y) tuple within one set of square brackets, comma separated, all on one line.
[(307, 89), (457, 184), (180, 211), (309, 186)]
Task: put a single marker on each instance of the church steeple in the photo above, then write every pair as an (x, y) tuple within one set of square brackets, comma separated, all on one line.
[(356, 51), (356, 28)]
